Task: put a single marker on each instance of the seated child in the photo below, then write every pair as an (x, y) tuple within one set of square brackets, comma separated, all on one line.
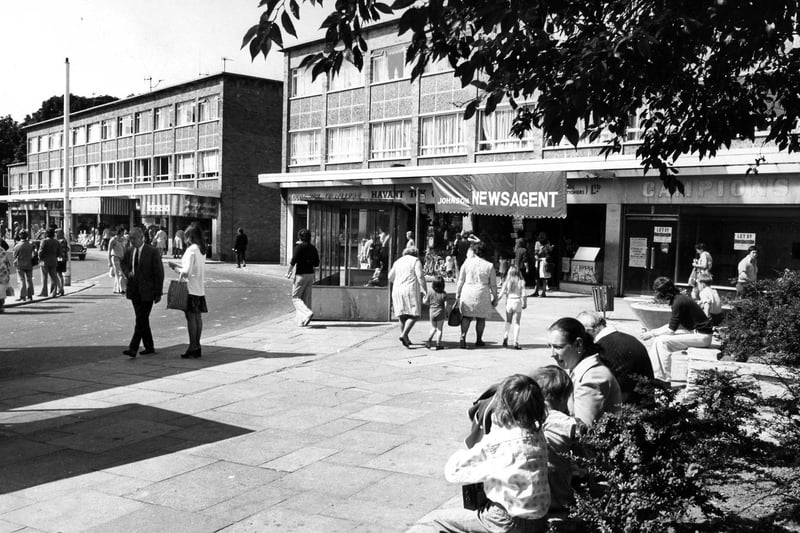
[(709, 298), (562, 433), (510, 461)]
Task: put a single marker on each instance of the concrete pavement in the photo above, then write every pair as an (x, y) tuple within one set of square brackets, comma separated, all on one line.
[(335, 427)]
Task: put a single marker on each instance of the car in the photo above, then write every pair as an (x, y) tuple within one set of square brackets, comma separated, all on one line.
[(77, 250)]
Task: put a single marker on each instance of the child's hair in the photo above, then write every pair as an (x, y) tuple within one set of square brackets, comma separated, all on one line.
[(438, 284), (554, 382), (519, 402), (514, 281)]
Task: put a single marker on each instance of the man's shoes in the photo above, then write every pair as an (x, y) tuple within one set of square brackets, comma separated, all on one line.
[(517, 347), (543, 295), (505, 343), (190, 354), (130, 353), (238, 266), (479, 344), (148, 351), (462, 344), (307, 319)]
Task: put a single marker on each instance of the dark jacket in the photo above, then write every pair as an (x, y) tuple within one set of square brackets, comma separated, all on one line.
[(626, 357), (49, 250), (305, 257), (240, 244), (23, 255), (147, 283)]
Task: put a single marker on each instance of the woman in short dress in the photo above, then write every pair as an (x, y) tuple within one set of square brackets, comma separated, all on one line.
[(408, 289), (193, 270), (476, 292)]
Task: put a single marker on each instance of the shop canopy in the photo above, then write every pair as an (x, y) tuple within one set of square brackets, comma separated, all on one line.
[(521, 194), (182, 205)]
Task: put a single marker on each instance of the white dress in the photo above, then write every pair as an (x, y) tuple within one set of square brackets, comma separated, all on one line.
[(477, 287), (408, 285)]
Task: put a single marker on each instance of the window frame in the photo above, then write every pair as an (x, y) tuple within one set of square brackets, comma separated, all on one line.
[(156, 167), (122, 166), (108, 129), (401, 153), (168, 109), (137, 121), (185, 176), (348, 157), (309, 161), (125, 126), (200, 165), (386, 52), (307, 87), (211, 103), (181, 114), (437, 149), (512, 143), (97, 137), (138, 177)]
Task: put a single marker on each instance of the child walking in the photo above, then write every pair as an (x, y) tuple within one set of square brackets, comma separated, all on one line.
[(436, 299), (516, 301), (510, 461)]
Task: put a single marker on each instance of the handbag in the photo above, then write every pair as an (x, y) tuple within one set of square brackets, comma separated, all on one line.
[(177, 295), (9, 291), (454, 317), (34, 258), (473, 496)]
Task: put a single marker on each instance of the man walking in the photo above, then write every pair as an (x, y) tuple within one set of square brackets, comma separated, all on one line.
[(240, 247), (145, 274), (49, 251), (304, 259), (748, 271)]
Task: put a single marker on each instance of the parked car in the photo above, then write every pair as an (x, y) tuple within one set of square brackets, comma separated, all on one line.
[(77, 250)]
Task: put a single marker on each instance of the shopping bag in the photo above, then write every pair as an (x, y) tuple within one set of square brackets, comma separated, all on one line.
[(473, 496), (177, 295), (454, 318)]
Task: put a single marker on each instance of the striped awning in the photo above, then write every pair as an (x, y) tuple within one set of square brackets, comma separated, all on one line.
[(179, 205)]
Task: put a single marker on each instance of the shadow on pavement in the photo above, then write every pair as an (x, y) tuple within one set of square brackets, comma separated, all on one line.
[(72, 443)]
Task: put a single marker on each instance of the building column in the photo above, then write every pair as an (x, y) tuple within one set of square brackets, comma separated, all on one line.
[(170, 232)]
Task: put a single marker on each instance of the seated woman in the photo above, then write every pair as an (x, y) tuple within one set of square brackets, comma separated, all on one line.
[(688, 327)]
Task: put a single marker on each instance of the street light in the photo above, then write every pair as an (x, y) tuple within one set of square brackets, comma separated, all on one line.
[(65, 181)]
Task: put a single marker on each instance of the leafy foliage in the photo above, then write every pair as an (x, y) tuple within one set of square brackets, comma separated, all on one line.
[(765, 323), (12, 143), (698, 73), (54, 106)]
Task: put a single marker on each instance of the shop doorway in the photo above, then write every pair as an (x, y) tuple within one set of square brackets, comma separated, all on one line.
[(649, 252)]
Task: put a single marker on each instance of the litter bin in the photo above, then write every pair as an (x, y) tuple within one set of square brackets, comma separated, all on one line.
[(603, 296)]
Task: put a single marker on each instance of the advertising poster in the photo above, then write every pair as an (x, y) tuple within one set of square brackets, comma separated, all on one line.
[(743, 241), (637, 252), (662, 234)]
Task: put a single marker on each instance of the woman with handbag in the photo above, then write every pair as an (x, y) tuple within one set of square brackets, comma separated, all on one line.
[(193, 270)]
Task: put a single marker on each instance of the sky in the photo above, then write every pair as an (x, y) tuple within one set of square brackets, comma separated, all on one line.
[(113, 46)]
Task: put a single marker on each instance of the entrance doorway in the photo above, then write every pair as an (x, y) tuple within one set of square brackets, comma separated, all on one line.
[(649, 251)]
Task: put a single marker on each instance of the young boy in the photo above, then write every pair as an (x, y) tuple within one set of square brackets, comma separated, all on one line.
[(709, 298)]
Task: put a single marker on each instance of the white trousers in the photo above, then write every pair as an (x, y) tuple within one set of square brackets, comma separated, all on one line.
[(665, 345)]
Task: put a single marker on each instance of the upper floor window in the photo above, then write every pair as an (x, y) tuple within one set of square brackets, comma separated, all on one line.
[(125, 171), (583, 139), (300, 83), (184, 166), (93, 132), (390, 139), (208, 108), (79, 176), (33, 144), (185, 113), (389, 64), (143, 121), (304, 147), (163, 167), (208, 163), (55, 141), (441, 135), (345, 144), (494, 132), (79, 135), (93, 174), (441, 65), (163, 117), (125, 126), (55, 178), (348, 77), (108, 129), (143, 169), (109, 173)]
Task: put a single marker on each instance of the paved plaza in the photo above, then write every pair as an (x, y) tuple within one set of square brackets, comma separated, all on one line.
[(335, 427)]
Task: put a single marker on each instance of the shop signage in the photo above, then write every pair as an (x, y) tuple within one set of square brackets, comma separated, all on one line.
[(523, 194), (398, 193), (743, 241), (637, 252), (662, 234), (180, 205)]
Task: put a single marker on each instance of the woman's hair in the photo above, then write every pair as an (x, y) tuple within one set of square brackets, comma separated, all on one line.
[(411, 250), (514, 279), (194, 235), (438, 284), (60, 234), (700, 246), (519, 402), (554, 382), (573, 330), (304, 235), (23, 235), (480, 249), (664, 288), (120, 230)]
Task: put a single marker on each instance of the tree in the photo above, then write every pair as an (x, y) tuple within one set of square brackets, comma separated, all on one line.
[(54, 106), (697, 74), (12, 143)]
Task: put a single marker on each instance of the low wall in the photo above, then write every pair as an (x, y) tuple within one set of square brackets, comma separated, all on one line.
[(362, 304)]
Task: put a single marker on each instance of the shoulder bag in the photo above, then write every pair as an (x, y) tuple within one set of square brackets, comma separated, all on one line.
[(177, 295), (454, 317)]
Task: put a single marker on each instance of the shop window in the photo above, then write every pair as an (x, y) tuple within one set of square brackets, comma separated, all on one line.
[(494, 132), (125, 126), (143, 121), (109, 173), (125, 171), (389, 64), (143, 170), (108, 129), (208, 108), (345, 144), (442, 135), (163, 167), (185, 113), (390, 140), (163, 117), (304, 147), (93, 175), (301, 83), (184, 166), (93, 132), (209, 164), (348, 77)]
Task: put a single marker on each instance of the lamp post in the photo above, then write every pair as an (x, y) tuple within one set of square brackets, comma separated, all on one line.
[(65, 179)]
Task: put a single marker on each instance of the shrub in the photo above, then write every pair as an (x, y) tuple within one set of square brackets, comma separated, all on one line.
[(766, 322)]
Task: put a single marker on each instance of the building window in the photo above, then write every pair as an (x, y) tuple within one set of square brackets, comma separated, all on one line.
[(143, 122), (109, 173), (125, 171), (55, 141), (93, 133), (435, 67), (344, 144), (163, 117), (208, 108), (55, 178), (185, 113), (304, 147), (389, 64), (184, 166), (441, 135), (78, 135), (109, 128), (40, 184), (208, 163), (494, 132), (348, 77), (79, 176), (93, 175), (125, 126), (143, 170), (33, 145), (390, 140), (163, 167), (300, 83)]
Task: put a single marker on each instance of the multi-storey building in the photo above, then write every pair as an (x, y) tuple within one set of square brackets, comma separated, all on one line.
[(370, 150), (176, 155)]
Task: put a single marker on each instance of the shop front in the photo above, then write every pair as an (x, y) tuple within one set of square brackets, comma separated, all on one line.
[(173, 211)]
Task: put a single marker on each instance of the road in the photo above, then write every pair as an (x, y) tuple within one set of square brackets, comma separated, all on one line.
[(96, 324)]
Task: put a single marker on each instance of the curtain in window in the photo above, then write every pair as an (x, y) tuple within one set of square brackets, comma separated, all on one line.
[(495, 133), (94, 174), (344, 144), (185, 166), (391, 139), (304, 147), (209, 163), (442, 134)]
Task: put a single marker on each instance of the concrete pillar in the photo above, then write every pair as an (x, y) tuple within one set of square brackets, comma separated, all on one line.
[(612, 259), (170, 233)]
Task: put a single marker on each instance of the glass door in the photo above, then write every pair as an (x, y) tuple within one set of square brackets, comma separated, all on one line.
[(649, 252)]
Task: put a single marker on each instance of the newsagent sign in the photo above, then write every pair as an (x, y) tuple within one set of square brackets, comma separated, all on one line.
[(522, 194)]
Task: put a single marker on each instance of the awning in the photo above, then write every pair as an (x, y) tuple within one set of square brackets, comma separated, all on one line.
[(180, 205), (523, 194)]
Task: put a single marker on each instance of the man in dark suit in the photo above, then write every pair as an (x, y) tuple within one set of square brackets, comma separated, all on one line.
[(145, 273), (623, 354)]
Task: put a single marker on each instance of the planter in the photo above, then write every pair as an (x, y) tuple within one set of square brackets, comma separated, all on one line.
[(651, 315)]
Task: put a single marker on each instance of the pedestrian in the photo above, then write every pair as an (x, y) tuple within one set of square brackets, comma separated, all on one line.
[(5, 277), (476, 293), (178, 245), (701, 264), (116, 253), (193, 270), (304, 260), (161, 241), (145, 279), (516, 300), (106, 239), (688, 327), (710, 301), (543, 251), (522, 261), (410, 240), (408, 289), (450, 267), (436, 299), (49, 250), (63, 257), (748, 271), (461, 248), (240, 248), (23, 261)]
